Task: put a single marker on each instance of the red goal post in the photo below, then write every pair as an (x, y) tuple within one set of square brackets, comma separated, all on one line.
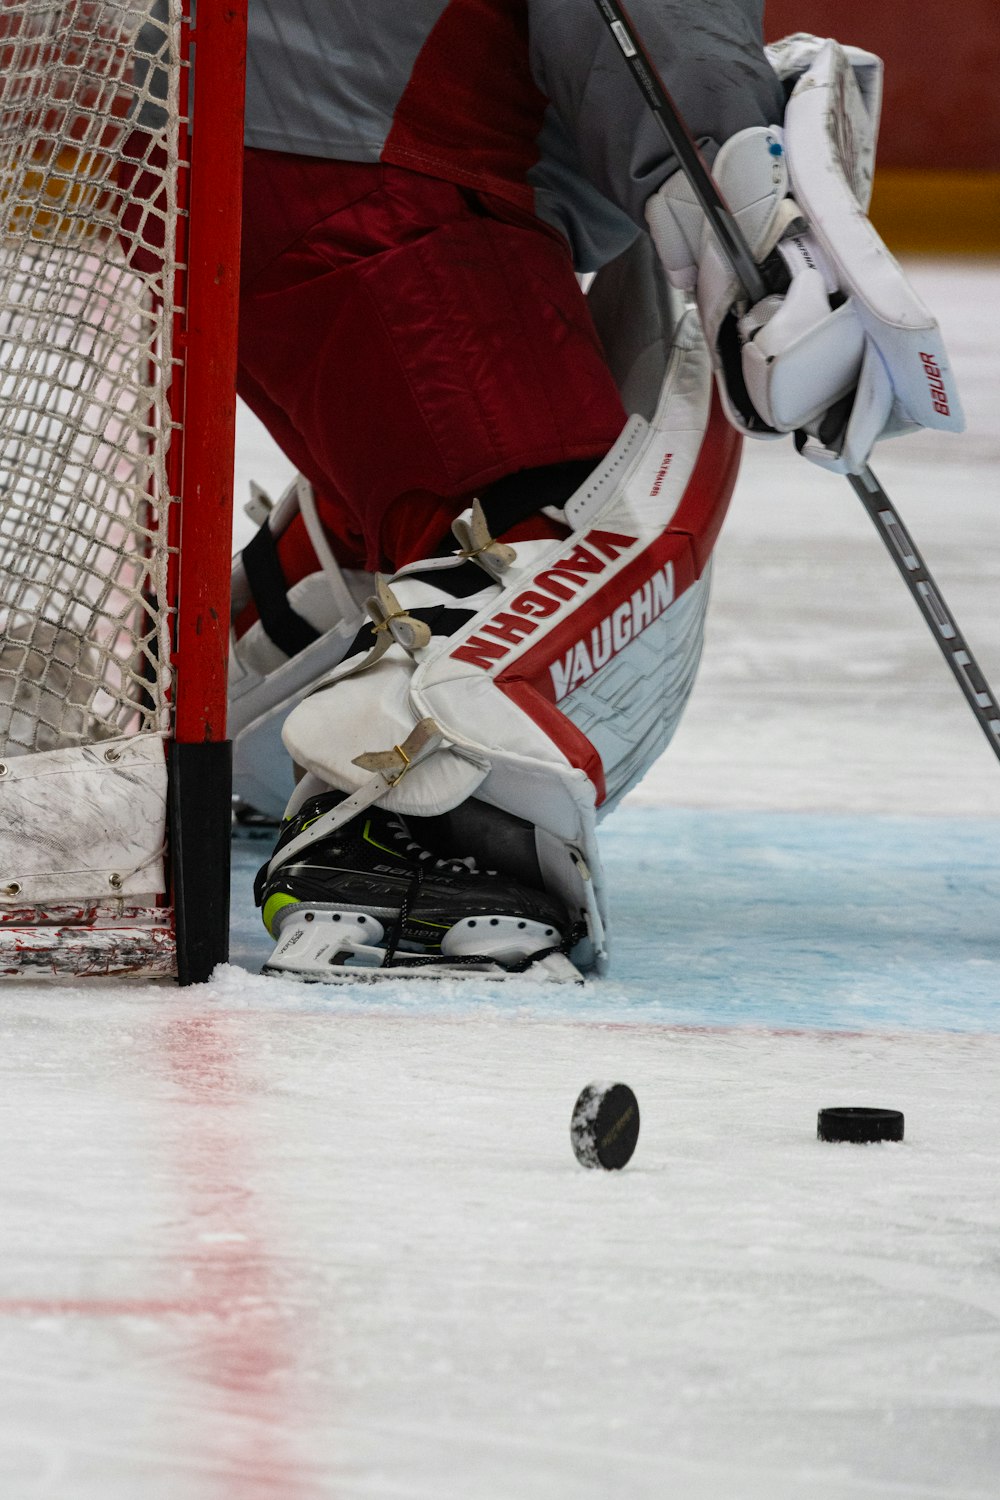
[(119, 256)]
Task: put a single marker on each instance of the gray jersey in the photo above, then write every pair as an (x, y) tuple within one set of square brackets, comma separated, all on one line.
[(530, 100)]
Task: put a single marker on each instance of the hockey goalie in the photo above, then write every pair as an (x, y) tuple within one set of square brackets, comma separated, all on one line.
[(473, 622)]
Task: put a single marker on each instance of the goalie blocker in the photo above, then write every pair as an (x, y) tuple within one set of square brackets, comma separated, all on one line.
[(543, 681)]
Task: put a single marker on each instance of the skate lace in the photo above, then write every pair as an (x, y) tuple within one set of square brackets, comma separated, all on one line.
[(426, 858)]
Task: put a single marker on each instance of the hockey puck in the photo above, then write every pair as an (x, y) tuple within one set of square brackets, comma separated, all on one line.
[(605, 1126), (860, 1125)]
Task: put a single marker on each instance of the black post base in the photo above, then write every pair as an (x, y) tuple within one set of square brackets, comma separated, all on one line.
[(200, 779)]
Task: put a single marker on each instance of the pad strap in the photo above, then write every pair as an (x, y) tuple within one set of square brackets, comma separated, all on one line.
[(288, 630), (388, 768), (519, 496)]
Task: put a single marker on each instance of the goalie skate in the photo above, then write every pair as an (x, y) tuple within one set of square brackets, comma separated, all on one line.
[(368, 901)]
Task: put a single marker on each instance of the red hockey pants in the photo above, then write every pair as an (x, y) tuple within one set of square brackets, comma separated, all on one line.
[(407, 342)]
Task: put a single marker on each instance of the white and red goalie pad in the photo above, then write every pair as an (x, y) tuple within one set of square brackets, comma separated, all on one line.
[(595, 645), (571, 672), (574, 681)]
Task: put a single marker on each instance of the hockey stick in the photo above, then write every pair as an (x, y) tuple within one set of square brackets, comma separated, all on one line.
[(760, 280)]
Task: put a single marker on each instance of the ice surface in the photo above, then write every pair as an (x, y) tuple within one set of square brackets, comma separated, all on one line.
[(825, 922), (265, 1241)]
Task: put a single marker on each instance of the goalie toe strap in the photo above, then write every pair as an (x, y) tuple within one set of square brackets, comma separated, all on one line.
[(388, 767)]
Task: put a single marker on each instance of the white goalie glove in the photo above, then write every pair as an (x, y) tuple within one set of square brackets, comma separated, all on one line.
[(846, 353)]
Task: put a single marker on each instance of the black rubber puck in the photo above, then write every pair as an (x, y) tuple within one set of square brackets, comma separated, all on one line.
[(863, 1126), (605, 1125)]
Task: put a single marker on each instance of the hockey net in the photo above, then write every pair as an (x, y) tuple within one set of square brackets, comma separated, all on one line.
[(95, 359)]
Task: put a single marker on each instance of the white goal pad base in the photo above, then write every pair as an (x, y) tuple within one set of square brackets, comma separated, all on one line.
[(85, 824), (82, 839), (88, 942)]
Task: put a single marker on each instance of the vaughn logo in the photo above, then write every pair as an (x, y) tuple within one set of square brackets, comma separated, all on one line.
[(544, 596), (613, 634), (662, 473)]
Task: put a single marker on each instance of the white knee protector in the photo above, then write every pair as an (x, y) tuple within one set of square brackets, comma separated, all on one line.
[(548, 689)]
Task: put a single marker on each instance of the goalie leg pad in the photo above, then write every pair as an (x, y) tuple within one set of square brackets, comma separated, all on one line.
[(554, 685)]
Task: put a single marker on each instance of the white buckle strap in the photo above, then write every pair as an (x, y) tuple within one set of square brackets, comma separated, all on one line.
[(392, 626), (389, 767), (390, 619), (473, 536)]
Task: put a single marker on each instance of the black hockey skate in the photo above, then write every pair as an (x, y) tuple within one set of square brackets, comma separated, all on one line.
[(369, 900)]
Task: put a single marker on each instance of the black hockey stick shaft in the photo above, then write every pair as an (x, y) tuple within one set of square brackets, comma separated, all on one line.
[(757, 283), (685, 148), (941, 621)]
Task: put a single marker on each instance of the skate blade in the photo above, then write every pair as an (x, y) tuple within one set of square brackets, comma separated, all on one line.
[(330, 947), (552, 968)]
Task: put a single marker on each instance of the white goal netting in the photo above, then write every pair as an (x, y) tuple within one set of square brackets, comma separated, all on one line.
[(90, 126)]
